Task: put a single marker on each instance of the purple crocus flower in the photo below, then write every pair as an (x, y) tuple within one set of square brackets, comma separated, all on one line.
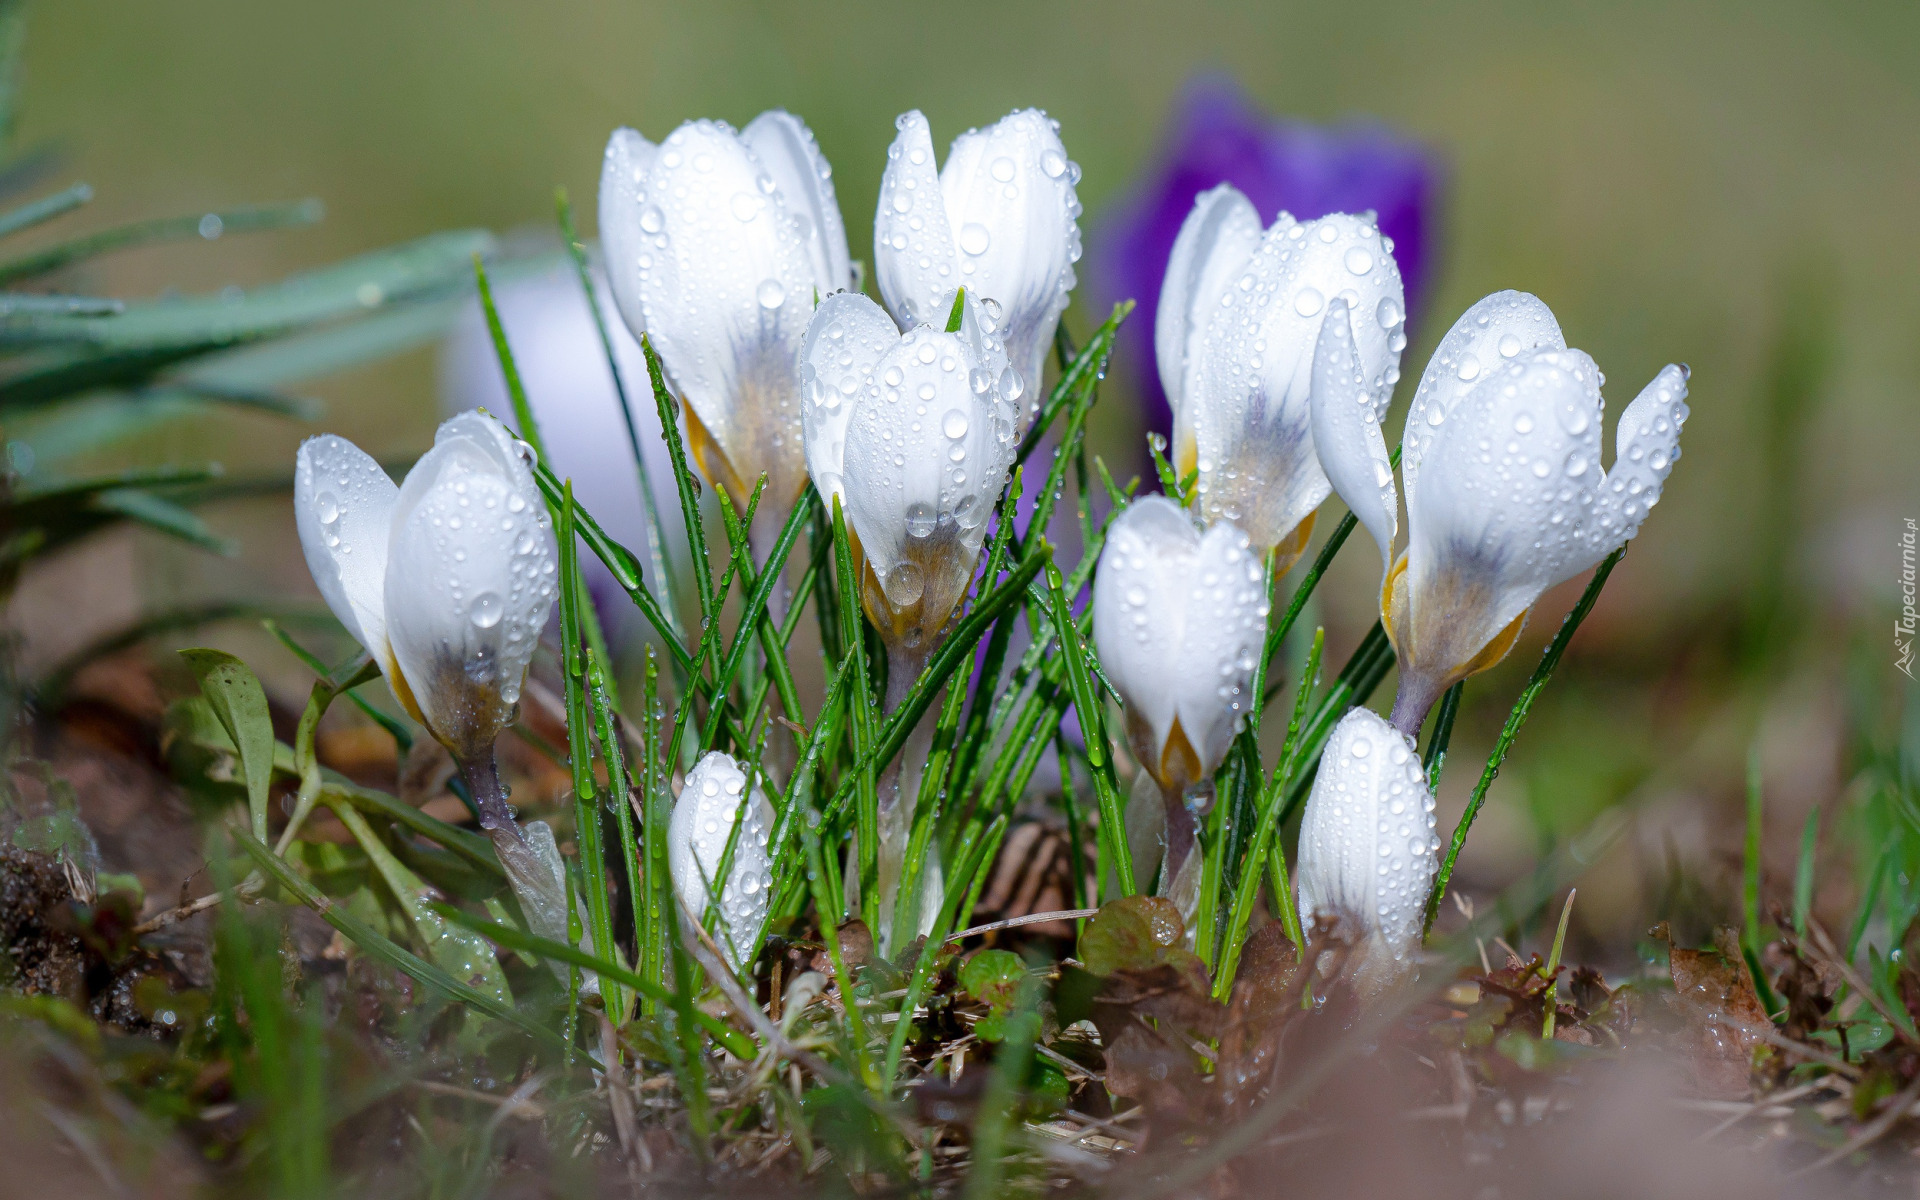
[(1219, 136)]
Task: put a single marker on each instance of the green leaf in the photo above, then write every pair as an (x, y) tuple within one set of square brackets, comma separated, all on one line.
[(380, 947), (44, 209), (209, 226), (993, 978), (1133, 933), (241, 704), (164, 516)]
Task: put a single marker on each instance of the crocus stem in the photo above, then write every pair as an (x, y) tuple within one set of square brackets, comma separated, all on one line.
[(1413, 701), (899, 784), (543, 898)]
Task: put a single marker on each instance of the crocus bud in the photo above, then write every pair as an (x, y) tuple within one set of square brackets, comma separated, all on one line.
[(999, 219), (717, 243), (447, 582), (914, 436), (1239, 339), (1505, 492), (1367, 846), (697, 836), (1179, 617)]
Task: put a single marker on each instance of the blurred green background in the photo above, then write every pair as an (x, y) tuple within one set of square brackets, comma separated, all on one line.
[(1734, 185)]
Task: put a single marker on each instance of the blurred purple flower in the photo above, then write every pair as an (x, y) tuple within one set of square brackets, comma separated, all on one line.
[(1219, 136)]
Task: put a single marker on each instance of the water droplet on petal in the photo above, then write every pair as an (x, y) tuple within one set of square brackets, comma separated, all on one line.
[(974, 238), (1309, 301), (771, 293), (954, 424), (486, 610)]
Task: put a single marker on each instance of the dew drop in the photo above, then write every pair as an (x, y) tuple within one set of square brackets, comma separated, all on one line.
[(920, 519), (1389, 314), (1309, 301), (771, 293), (326, 506), (954, 424), (974, 238), (1362, 747), (1359, 260), (905, 583), (746, 206), (1469, 367), (1053, 163), (486, 610), (652, 220), (1509, 346)]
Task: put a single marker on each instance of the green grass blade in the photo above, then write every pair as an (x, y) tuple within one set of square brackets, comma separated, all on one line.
[(45, 209), (973, 861), (657, 555), (1803, 872), (1091, 707), (210, 226), (684, 482), (379, 947), (867, 806), (1435, 759), (1521, 707)]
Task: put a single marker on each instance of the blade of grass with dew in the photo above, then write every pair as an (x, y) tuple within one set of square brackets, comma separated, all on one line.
[(512, 937), (650, 921), (456, 951), (867, 797), (1090, 706), (624, 567), (381, 948), (619, 789), (1082, 404), (45, 209), (153, 231), (1435, 759), (816, 873), (684, 483), (1265, 848), (1521, 707), (759, 586), (973, 862), (657, 555), (586, 804), (739, 566), (987, 679)]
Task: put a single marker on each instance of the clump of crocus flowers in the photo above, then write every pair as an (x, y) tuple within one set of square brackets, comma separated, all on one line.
[(1278, 344)]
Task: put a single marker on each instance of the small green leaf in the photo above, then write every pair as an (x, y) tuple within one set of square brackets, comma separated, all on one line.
[(1132, 933), (241, 704), (993, 978)]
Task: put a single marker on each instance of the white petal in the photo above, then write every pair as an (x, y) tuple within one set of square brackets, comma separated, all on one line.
[(1215, 242), (925, 460), (1226, 627), (1504, 503), (913, 242), (1496, 330), (726, 297), (1368, 843), (1140, 612), (1346, 432), (1250, 409), (471, 581), (623, 239), (697, 835), (845, 341), (343, 508), (1178, 619), (1011, 205), (785, 147), (1648, 444)]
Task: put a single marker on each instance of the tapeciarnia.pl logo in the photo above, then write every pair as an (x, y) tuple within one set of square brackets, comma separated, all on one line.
[(1905, 623)]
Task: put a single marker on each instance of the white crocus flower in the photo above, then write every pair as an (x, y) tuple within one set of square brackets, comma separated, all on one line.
[(998, 219), (1178, 618), (702, 824), (717, 243), (447, 581), (1505, 492), (1279, 352), (913, 436), (1368, 846)]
